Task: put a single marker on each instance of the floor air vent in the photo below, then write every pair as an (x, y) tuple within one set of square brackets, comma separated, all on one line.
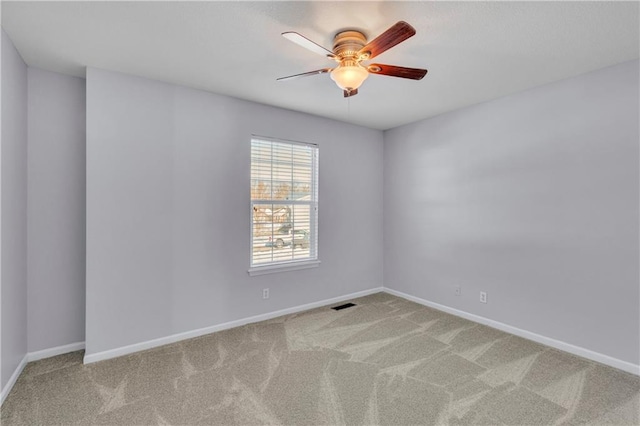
[(345, 306)]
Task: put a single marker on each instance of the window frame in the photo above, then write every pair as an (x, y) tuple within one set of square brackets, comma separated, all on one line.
[(288, 265)]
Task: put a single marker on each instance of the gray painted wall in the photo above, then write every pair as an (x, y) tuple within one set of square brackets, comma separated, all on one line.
[(532, 198), (168, 210), (14, 209), (56, 216)]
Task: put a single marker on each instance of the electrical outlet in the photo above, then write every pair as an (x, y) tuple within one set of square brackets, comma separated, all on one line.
[(458, 290), (483, 296), (265, 293)]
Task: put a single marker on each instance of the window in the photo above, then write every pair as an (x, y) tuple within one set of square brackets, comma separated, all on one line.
[(284, 204)]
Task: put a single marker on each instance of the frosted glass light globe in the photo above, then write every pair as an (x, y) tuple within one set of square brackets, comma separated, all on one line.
[(349, 77)]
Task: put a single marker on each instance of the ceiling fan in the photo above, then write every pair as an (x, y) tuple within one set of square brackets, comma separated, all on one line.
[(350, 49)]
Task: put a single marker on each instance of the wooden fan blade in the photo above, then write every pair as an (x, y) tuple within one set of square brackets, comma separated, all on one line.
[(305, 74), (395, 71), (351, 92), (307, 44), (385, 41)]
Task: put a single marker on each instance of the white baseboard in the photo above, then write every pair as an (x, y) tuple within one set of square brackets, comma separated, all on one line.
[(36, 356), (59, 350), (12, 380), (125, 350), (557, 344)]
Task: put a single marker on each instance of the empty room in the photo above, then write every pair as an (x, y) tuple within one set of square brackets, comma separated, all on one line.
[(320, 213)]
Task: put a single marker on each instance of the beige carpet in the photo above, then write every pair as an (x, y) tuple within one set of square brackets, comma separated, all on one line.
[(386, 361)]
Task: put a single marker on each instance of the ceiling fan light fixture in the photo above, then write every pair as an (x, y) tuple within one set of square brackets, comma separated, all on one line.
[(350, 48), (349, 76)]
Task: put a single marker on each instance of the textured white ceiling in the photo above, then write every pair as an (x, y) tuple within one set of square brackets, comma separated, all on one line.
[(475, 51)]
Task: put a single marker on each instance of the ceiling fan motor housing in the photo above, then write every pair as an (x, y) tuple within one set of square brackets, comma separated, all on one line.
[(347, 44)]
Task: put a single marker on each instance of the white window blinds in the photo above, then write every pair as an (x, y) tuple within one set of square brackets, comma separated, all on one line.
[(284, 202)]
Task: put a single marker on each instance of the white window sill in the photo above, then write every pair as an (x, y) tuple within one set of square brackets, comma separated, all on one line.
[(285, 267)]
